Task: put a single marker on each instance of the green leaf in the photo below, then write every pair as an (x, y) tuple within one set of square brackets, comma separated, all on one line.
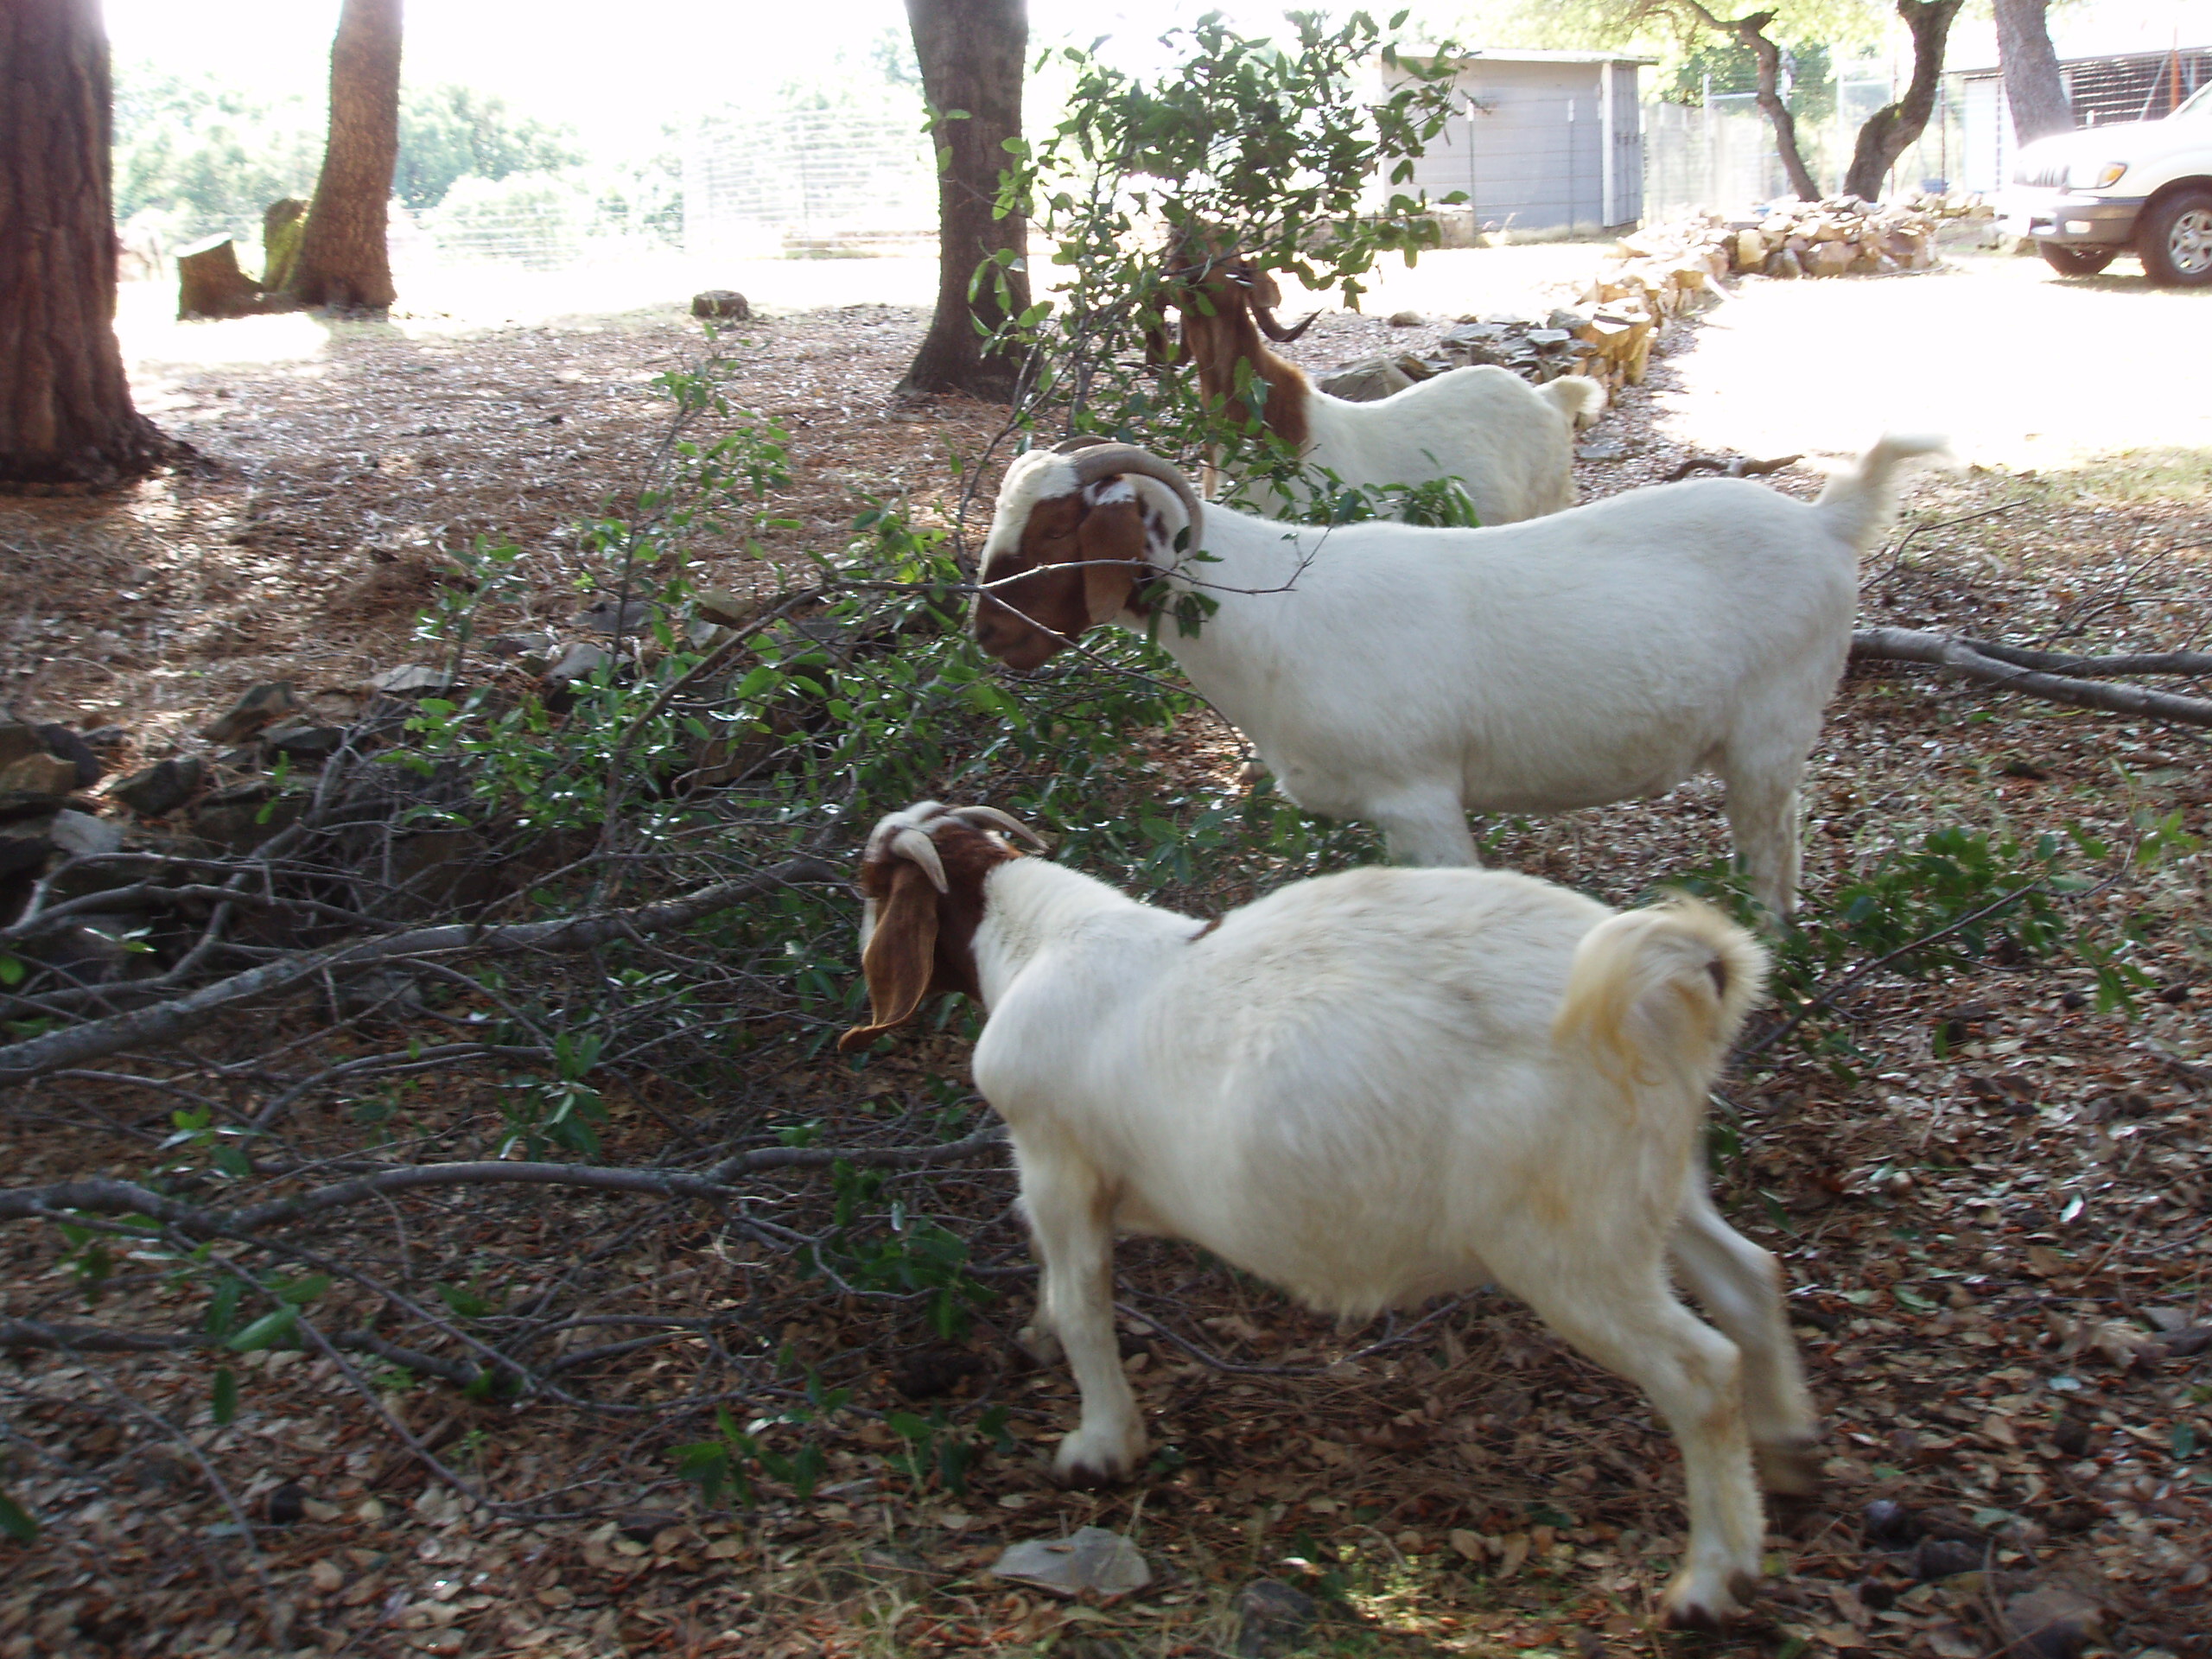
[(15, 1521), (265, 1331), (225, 1404)]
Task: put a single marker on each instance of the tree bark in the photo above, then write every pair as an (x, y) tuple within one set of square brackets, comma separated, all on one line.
[(66, 413), (1751, 31), (1891, 130), (972, 58), (2034, 90), (342, 262)]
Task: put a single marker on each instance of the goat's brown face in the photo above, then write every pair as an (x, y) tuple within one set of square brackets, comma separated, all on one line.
[(1075, 565)]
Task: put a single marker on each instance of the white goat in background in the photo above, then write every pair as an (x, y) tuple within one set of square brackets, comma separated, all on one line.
[(1371, 1088), (1509, 444), (1408, 675)]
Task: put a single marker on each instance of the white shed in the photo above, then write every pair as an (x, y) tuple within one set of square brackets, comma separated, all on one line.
[(1542, 141)]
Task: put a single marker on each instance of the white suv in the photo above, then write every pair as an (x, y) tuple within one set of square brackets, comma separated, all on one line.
[(2142, 186)]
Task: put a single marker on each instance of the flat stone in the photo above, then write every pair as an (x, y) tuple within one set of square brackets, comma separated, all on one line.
[(579, 661), (18, 742), (59, 741), (1093, 1558), (1272, 1618), (305, 742), (1550, 336), (161, 788), (83, 835), (24, 846), (720, 605), (2166, 1319), (415, 680), (1407, 319), (2050, 1624), (605, 616), (261, 705), (1368, 381), (1573, 322), (39, 774), (1601, 449)]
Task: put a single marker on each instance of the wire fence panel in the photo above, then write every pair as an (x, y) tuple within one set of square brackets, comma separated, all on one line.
[(819, 181)]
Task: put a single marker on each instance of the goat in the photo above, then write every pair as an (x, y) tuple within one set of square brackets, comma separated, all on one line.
[(1408, 675), (1371, 1087), (1510, 444)]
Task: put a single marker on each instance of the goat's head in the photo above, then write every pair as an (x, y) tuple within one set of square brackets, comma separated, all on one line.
[(921, 886), (1071, 540), (1215, 285)]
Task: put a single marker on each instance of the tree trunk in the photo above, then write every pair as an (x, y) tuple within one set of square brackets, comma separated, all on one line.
[(65, 415), (1891, 130), (972, 57), (1751, 31), (2034, 90), (342, 262)]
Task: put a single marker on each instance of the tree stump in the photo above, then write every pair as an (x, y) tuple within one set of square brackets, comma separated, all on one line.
[(282, 224), (210, 284)]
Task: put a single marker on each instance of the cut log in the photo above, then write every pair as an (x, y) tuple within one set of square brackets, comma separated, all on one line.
[(210, 284)]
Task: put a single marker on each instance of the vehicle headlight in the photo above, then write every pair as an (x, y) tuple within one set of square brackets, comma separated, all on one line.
[(2094, 175)]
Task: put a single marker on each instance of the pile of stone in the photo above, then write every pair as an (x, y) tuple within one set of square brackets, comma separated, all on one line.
[(1536, 348), (1839, 236)]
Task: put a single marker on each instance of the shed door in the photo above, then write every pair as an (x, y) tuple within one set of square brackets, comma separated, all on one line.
[(1628, 146)]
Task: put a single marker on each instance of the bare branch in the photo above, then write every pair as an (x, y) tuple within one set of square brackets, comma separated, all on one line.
[(2002, 667)]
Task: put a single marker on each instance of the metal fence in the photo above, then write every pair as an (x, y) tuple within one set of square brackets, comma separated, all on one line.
[(809, 182)]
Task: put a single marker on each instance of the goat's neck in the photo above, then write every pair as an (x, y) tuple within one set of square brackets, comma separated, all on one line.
[(1033, 905), (1218, 343)]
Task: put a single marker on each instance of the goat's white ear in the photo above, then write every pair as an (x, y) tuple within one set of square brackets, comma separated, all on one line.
[(1110, 543), (900, 956)]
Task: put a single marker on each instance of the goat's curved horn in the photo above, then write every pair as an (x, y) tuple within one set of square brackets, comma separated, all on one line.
[(912, 843), (991, 817), (1098, 461), (1263, 312)]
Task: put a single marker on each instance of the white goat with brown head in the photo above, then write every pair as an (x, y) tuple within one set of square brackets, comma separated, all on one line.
[(1405, 675), (1510, 444), (1371, 1088)]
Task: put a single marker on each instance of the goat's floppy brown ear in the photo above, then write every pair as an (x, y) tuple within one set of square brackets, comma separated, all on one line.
[(901, 955), (1110, 543)]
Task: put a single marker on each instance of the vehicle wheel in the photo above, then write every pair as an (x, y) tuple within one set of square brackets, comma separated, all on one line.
[(2075, 262), (2176, 238)]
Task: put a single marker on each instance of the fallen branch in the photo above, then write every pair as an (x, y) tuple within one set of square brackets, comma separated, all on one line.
[(2047, 675), (1736, 466), (73, 1044)]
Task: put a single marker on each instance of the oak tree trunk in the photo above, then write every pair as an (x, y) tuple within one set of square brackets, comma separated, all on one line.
[(65, 415), (1891, 130), (1751, 31), (970, 53), (2034, 90), (342, 262)]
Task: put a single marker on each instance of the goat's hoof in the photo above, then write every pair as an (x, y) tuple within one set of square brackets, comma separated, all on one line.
[(1039, 1343), (1089, 1464), (1702, 1602), (1790, 1468)]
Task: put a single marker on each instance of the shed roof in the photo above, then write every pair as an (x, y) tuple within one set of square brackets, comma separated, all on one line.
[(1516, 54)]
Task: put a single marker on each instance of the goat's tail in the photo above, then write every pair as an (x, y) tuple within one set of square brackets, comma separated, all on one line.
[(1577, 397), (1859, 500), (1659, 994)]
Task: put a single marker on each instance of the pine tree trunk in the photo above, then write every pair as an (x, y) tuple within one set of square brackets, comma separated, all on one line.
[(65, 415), (342, 262), (1751, 31), (1893, 129), (2034, 90), (972, 58)]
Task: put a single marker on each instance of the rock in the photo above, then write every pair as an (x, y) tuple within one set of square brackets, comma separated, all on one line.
[(1785, 262), (1368, 381), (18, 742), (1573, 322), (288, 1504), (1543, 337), (579, 661), (1094, 1559), (2168, 1319), (524, 645), (1750, 249), (2050, 1624), (303, 742), (1272, 1618), (1890, 1523), (39, 774), (2189, 1341), (605, 616), (720, 302), (260, 706), (82, 835), (161, 788), (1601, 449), (24, 846), (1407, 319), (1831, 258), (726, 609), (415, 680), (1940, 1558), (60, 741)]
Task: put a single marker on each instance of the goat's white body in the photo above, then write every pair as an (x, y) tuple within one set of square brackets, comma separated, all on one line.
[(1511, 444), (1406, 676), (1352, 1089)]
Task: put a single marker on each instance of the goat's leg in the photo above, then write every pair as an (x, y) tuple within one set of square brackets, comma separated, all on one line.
[(1740, 1285), (1428, 827), (1763, 818), (1632, 1324), (1071, 1219)]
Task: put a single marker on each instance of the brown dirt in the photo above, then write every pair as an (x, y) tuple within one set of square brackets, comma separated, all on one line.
[(1980, 1232)]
